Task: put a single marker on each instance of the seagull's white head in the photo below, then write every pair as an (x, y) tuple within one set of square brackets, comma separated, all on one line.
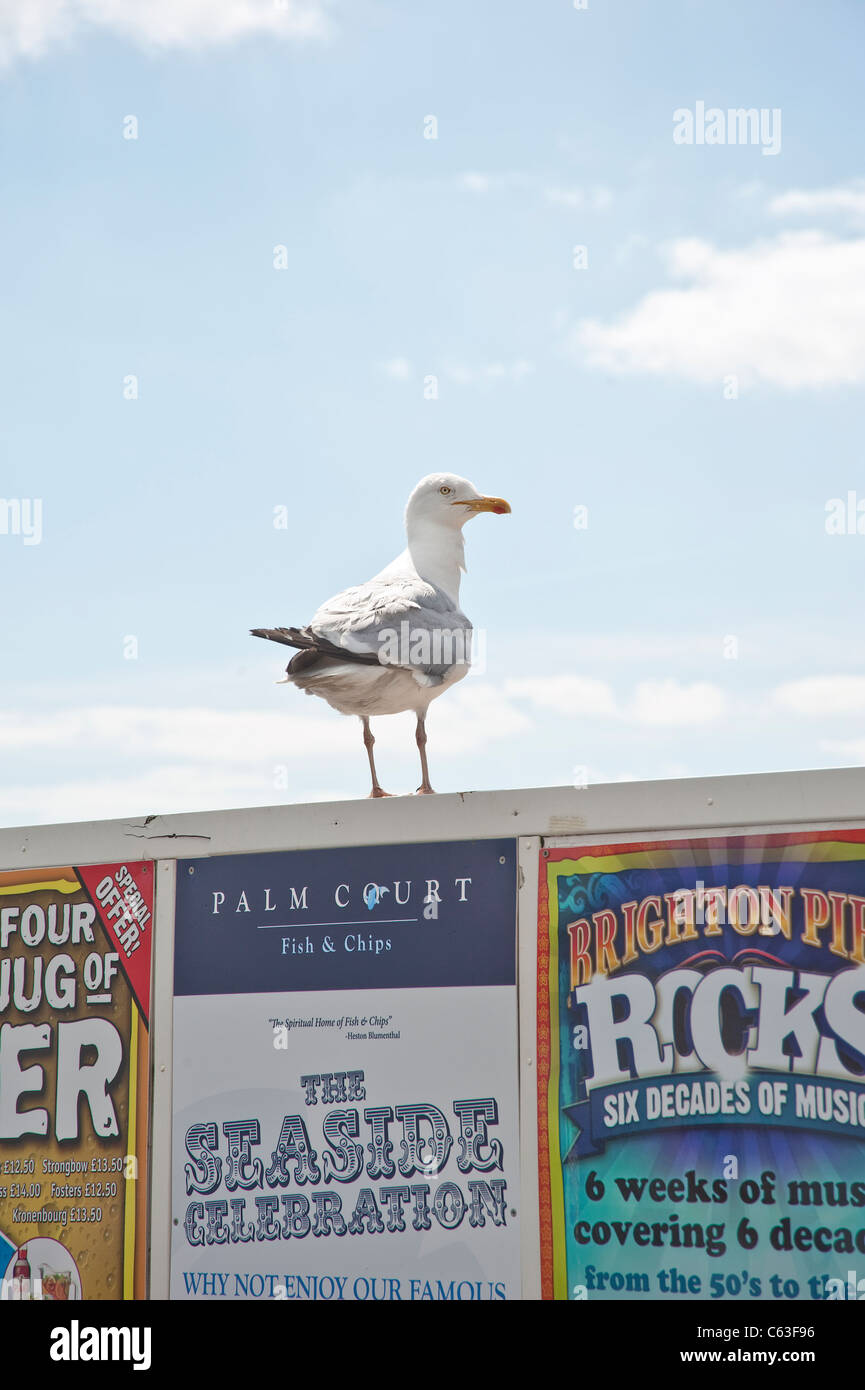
[(436, 512), (444, 499)]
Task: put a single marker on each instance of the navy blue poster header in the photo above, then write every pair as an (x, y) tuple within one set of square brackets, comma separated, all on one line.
[(392, 916)]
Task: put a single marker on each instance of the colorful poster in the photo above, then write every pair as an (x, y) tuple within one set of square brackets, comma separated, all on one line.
[(345, 1075), (701, 1068), (75, 952)]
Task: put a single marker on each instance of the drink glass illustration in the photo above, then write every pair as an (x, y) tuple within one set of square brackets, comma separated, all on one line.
[(62, 1281), (48, 1279)]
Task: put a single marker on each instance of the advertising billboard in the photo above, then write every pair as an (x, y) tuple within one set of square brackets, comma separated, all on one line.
[(345, 1117), (75, 954), (701, 1068)]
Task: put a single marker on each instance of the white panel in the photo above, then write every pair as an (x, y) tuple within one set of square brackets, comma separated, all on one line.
[(527, 918), (438, 1045), (161, 1023)]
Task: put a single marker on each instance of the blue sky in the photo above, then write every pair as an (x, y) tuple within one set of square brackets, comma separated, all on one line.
[(704, 621)]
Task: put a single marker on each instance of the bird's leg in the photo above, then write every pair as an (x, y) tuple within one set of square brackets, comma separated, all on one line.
[(420, 735), (368, 744)]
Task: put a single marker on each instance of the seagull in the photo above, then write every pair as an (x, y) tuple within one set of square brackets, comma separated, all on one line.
[(399, 641)]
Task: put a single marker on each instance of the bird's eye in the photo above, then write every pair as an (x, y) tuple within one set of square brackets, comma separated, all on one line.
[(445, 491)]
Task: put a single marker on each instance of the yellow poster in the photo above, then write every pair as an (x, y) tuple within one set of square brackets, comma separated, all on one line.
[(75, 963)]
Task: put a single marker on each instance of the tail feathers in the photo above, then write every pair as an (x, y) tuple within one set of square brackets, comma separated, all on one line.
[(304, 661), (288, 636), (312, 646)]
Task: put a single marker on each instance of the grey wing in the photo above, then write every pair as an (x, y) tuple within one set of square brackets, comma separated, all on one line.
[(405, 622)]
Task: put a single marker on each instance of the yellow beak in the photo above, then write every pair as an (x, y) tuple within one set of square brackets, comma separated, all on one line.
[(485, 504)]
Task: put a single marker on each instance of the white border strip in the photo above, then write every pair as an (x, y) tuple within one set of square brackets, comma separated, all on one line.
[(161, 1023), (528, 852)]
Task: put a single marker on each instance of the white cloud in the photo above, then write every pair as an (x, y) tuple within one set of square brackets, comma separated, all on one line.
[(569, 695), (633, 243), (656, 703), (30, 27), (474, 181), (244, 738), (598, 199), (852, 748), (668, 702), (565, 197), (846, 199), (466, 719), (202, 759), (789, 311), (398, 368), (592, 776), (192, 734), (163, 790), (823, 695)]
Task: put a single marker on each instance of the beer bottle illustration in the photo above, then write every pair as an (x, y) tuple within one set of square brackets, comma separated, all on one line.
[(21, 1276)]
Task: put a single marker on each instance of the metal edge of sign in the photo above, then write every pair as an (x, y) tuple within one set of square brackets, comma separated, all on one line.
[(161, 1084), (621, 809), (528, 850), (760, 825), (130, 1230), (548, 1098)]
